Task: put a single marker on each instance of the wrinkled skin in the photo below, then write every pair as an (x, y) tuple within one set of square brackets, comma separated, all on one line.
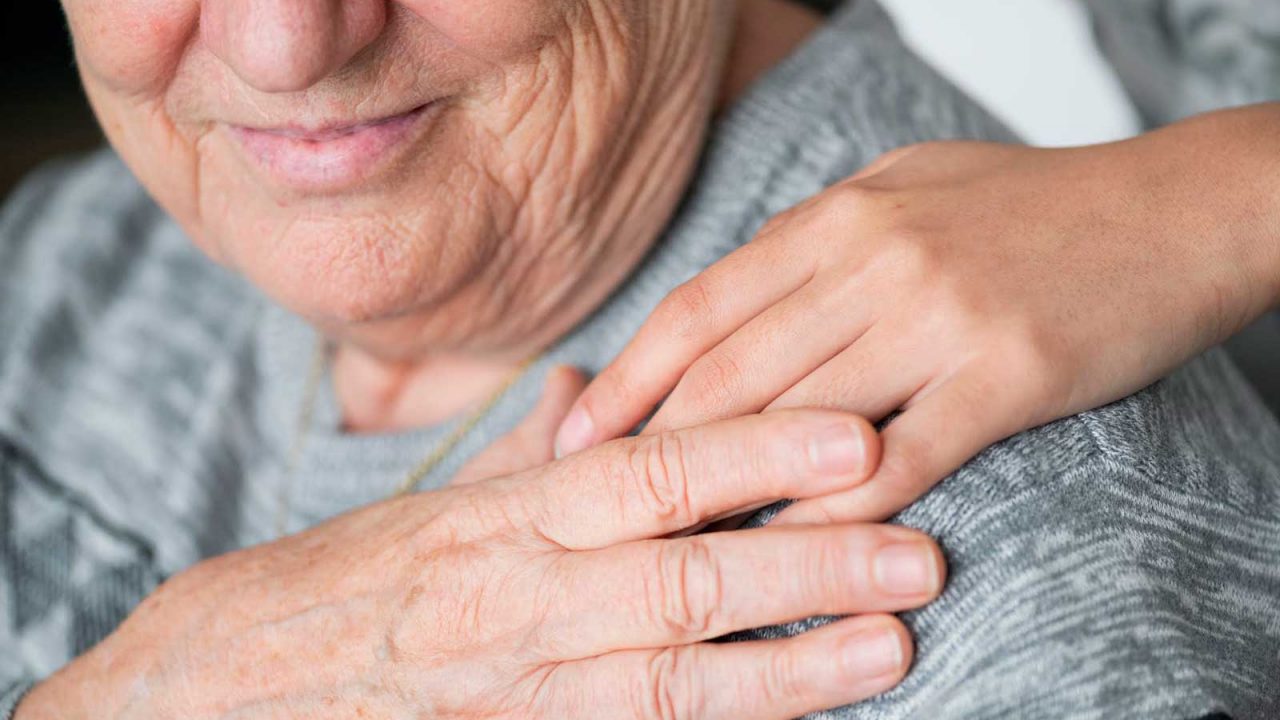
[(553, 139), (563, 134), (555, 592)]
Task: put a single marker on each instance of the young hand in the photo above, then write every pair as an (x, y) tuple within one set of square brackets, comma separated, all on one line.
[(980, 289)]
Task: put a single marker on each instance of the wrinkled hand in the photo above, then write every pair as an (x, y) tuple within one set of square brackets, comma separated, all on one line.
[(980, 289), (539, 595)]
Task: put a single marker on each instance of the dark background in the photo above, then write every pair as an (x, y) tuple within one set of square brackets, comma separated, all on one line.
[(43, 113)]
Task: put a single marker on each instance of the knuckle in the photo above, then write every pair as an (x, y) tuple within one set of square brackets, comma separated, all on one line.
[(905, 258), (690, 588), (913, 257), (859, 194), (1019, 352), (856, 203), (839, 389), (611, 389), (660, 478), (1028, 383), (669, 690), (783, 678), (715, 380), (904, 470), (1031, 348), (775, 449), (825, 573), (825, 512), (688, 311), (474, 511)]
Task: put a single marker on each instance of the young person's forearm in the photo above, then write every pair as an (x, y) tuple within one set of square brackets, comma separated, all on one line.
[(1222, 179)]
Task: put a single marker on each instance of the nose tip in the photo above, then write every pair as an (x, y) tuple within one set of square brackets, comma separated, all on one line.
[(289, 45)]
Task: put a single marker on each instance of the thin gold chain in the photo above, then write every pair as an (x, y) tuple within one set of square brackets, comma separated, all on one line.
[(411, 481), (464, 428)]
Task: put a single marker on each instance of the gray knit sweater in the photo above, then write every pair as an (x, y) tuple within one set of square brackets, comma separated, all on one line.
[(1123, 563)]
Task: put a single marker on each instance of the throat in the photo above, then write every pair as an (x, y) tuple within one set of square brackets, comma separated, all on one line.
[(766, 32), (381, 397)]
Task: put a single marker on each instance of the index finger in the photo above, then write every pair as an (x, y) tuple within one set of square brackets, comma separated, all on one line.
[(691, 320), (646, 487)]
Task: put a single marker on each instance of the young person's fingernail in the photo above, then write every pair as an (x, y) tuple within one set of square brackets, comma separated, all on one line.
[(837, 449), (575, 433), (873, 653), (906, 569)]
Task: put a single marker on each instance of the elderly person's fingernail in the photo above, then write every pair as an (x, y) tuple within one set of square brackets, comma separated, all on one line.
[(575, 433), (838, 449), (907, 569), (873, 653)]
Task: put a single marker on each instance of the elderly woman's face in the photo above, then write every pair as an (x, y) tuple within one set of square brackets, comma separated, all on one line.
[(363, 159)]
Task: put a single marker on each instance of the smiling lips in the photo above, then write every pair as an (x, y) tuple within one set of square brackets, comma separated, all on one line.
[(328, 159)]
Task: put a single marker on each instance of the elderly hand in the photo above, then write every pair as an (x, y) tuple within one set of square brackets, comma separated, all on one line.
[(539, 595), (980, 289)]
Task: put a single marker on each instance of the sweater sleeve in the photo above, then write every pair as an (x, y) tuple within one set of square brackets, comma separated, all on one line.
[(11, 695), (1181, 57), (69, 573), (16, 675), (68, 576), (1120, 563)]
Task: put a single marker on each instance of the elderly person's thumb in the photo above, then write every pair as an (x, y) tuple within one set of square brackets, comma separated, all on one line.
[(531, 444)]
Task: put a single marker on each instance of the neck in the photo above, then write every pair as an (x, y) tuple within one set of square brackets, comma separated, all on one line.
[(766, 32), (383, 395), (377, 396)]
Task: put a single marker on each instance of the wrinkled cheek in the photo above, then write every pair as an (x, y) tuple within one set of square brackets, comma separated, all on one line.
[(165, 160), (131, 46), (495, 30), (128, 52)]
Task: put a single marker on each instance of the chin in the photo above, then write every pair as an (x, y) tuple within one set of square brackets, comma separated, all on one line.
[(403, 245), (354, 271)]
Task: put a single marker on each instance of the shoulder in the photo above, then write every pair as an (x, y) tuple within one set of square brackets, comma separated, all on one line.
[(1201, 438), (87, 199), (1185, 472), (84, 234), (84, 251), (111, 322), (1140, 536), (1125, 537), (852, 92)]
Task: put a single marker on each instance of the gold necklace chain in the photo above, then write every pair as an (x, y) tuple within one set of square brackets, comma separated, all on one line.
[(414, 478)]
